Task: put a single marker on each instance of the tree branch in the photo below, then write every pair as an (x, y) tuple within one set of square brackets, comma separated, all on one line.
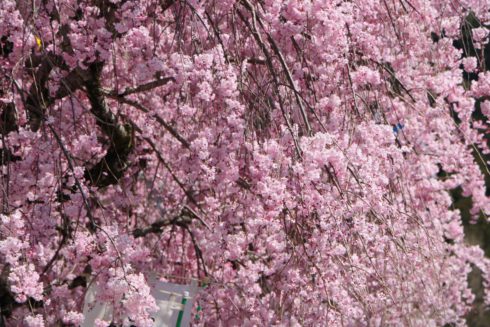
[(145, 87), (111, 168), (183, 219), (159, 119)]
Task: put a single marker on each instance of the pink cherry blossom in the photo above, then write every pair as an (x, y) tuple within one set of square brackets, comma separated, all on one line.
[(301, 159)]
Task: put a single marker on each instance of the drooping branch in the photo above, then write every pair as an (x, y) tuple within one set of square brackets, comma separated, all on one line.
[(69, 159), (282, 61), (258, 38)]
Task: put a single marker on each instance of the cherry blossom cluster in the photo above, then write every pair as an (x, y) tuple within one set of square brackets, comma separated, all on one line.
[(297, 157)]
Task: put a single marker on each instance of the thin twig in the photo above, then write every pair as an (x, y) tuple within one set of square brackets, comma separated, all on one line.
[(144, 87)]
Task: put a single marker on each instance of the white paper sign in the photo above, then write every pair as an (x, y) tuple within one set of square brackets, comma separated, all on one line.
[(172, 300)]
